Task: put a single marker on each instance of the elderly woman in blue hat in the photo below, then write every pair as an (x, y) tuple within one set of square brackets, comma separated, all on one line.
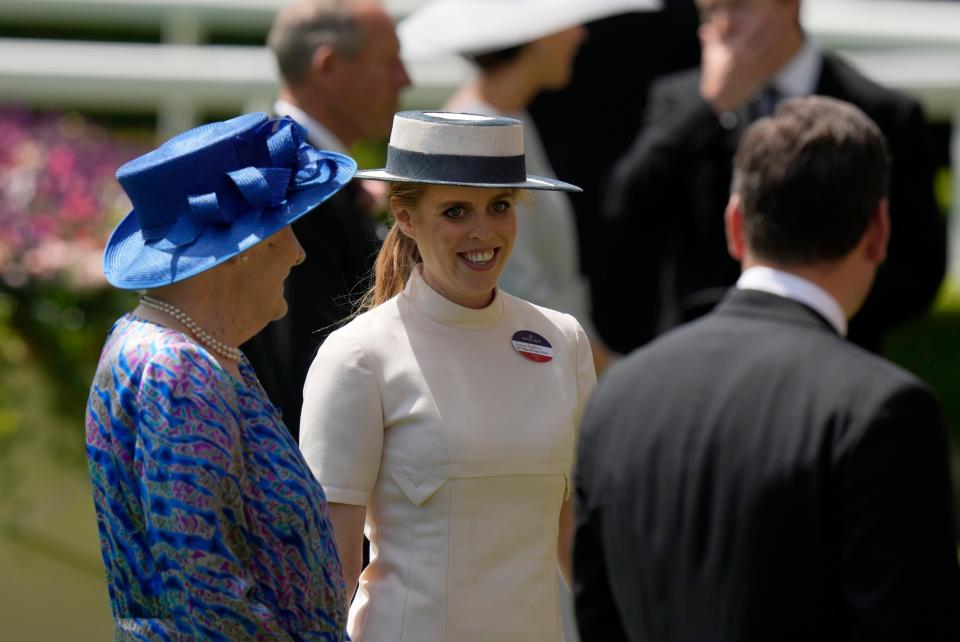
[(211, 525), (442, 420)]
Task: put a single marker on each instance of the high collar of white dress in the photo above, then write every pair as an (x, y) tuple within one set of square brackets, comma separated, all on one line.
[(442, 310)]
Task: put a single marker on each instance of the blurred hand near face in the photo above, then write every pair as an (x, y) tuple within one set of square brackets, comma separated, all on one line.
[(744, 43)]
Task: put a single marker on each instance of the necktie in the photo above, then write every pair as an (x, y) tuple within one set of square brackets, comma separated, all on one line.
[(766, 101)]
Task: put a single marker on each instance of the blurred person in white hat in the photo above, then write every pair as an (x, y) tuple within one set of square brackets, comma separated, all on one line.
[(522, 48)]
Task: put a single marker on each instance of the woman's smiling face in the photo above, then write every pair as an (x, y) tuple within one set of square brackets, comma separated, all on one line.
[(464, 235)]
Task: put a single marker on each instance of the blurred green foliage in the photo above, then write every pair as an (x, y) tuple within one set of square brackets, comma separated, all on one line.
[(54, 333), (58, 202), (930, 348)]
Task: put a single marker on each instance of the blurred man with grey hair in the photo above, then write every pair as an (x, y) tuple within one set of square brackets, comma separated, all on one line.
[(341, 76)]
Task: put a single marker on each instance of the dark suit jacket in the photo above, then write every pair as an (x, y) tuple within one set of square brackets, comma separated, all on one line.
[(674, 183), (341, 245), (753, 477)]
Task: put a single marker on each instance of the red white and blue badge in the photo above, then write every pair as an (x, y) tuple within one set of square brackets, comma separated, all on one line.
[(532, 346)]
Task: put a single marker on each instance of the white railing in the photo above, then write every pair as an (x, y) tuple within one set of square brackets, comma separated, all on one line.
[(846, 24), (911, 45), (175, 80), (182, 21)]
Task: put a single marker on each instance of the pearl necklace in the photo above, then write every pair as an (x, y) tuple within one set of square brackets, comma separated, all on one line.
[(221, 348)]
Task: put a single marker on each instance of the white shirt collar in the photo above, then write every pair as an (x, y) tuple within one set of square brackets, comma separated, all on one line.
[(319, 135), (791, 286), (800, 75)]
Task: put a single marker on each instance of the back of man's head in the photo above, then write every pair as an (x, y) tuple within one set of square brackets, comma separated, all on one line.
[(809, 179), (304, 25)]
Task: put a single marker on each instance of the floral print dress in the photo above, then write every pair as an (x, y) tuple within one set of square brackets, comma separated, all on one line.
[(212, 527)]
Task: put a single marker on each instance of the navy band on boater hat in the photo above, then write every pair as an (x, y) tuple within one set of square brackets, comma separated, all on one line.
[(212, 192), (446, 148)]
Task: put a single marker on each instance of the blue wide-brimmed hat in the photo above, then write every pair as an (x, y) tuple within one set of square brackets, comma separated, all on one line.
[(212, 192), (449, 148)]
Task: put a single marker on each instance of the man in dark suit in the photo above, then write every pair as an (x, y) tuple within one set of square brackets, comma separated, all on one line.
[(674, 182), (341, 76), (752, 476)]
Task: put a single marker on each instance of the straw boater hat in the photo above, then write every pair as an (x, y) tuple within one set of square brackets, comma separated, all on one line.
[(446, 27), (212, 192), (445, 148)]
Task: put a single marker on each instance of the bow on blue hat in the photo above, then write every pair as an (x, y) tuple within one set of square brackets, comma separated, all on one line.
[(214, 191), (276, 161)]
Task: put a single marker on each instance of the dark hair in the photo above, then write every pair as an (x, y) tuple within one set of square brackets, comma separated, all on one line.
[(490, 60), (809, 178), (303, 26)]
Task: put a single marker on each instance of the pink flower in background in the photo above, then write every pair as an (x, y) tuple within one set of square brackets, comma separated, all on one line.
[(58, 196)]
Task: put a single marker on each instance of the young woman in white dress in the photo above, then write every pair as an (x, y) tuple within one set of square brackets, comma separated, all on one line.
[(515, 62), (442, 420)]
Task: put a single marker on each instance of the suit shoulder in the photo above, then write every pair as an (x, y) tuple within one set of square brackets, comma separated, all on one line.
[(649, 358), (677, 84), (824, 357), (839, 77), (874, 368)]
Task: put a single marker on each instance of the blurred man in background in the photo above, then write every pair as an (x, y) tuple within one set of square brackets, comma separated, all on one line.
[(341, 75), (674, 181)]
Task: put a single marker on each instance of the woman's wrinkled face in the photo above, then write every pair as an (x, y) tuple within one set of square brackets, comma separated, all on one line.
[(465, 236), (259, 272)]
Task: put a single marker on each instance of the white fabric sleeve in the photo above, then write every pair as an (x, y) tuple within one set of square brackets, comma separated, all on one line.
[(586, 373), (341, 426), (586, 382)]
